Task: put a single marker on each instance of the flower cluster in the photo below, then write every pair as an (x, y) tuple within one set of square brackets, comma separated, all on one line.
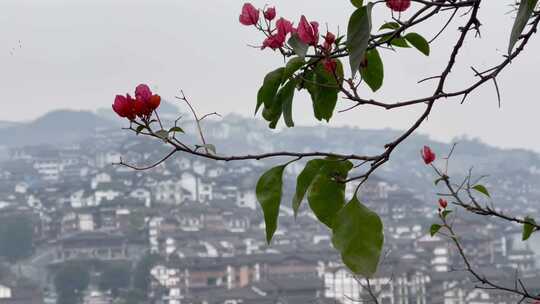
[(142, 106), (307, 31)]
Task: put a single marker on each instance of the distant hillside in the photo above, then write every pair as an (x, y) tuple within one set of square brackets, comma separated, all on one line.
[(62, 126), (517, 170), (7, 124)]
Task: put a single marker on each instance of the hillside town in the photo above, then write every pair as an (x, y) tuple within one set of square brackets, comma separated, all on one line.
[(190, 231)]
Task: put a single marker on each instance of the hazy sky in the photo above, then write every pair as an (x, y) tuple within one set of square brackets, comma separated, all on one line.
[(78, 54)]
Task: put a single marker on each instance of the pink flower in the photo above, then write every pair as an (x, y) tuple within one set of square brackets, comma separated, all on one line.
[(308, 31), (143, 92), (141, 108), (270, 13), (284, 27), (123, 106), (274, 42), (249, 15), (330, 65), (443, 203), (154, 102), (329, 39), (398, 5), (427, 155)]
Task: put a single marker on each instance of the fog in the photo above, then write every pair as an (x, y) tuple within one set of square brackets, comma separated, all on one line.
[(79, 54)]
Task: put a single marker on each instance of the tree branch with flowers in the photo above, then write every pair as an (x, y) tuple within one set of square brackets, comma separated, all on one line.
[(314, 63)]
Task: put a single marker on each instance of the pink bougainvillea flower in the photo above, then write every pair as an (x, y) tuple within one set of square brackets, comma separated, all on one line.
[(284, 27), (123, 106), (427, 155), (270, 13), (274, 41), (143, 92), (329, 39), (330, 65), (154, 102), (398, 5), (249, 15), (443, 203), (141, 108), (308, 31)]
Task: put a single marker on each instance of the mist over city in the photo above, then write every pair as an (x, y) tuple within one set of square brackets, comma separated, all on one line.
[(232, 152)]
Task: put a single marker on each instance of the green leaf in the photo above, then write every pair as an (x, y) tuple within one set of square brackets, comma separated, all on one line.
[(525, 11), (176, 129), (268, 191), (269, 89), (395, 41), (338, 39), (140, 129), (528, 228), (326, 194), (303, 181), (292, 66), (163, 134), (298, 46), (389, 26), (358, 33), (358, 3), (324, 90), (419, 42), (445, 213), (358, 235), (482, 189), (273, 114), (434, 229), (211, 147), (373, 73), (286, 95)]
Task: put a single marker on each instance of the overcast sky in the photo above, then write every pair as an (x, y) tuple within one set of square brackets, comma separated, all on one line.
[(78, 54)]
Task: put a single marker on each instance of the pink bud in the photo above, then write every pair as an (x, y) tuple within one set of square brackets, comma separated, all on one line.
[(270, 13), (398, 5), (308, 31), (123, 106), (443, 203), (427, 155), (274, 42), (143, 92), (329, 39), (249, 15), (284, 26), (330, 65)]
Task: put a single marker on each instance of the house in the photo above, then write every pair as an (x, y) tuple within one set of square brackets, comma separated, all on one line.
[(170, 192), (99, 179), (436, 247), (143, 195), (14, 294), (396, 286), (92, 245)]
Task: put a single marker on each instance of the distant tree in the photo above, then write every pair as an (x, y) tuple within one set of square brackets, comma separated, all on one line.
[(132, 297), (135, 224), (16, 236), (115, 278), (71, 282), (141, 275), (5, 272)]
